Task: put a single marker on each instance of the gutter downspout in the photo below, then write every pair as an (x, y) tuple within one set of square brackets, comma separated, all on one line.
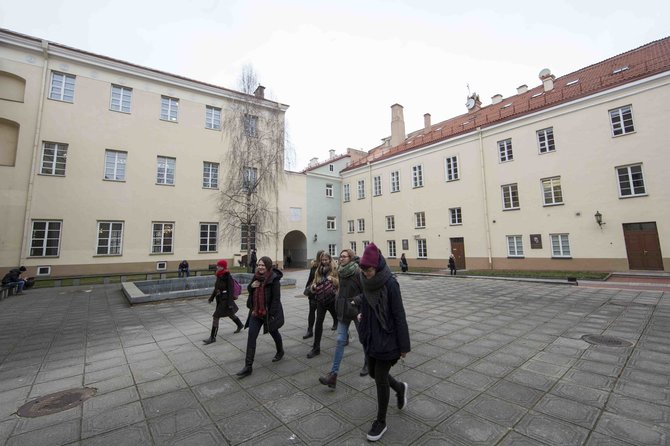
[(33, 164), (486, 200), (372, 215)]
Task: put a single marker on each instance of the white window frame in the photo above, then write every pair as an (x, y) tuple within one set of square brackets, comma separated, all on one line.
[(208, 237), (390, 222), (420, 220), (212, 117), (455, 216), (361, 189), (346, 192), (377, 185), (169, 109), (361, 224), (115, 165), (417, 176), (621, 121), (509, 192), (352, 245), (515, 246), (635, 181), (560, 245), (505, 152), (451, 168), (395, 181), (109, 240), (120, 99), (54, 159), (210, 175), (391, 248), (162, 237), (62, 87), (329, 191), (165, 170), (44, 246), (421, 248), (332, 249), (552, 192), (331, 223), (351, 226), (545, 140)]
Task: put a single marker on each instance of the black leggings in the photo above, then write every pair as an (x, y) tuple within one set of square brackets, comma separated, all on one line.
[(311, 316), (379, 371)]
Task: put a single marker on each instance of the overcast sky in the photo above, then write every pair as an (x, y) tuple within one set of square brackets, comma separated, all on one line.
[(340, 65)]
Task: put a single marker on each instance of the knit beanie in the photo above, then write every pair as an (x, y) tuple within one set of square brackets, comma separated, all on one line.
[(370, 256), (222, 263)]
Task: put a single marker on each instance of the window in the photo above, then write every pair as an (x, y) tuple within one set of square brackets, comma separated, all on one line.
[(248, 237), (377, 186), (120, 99), (346, 193), (451, 168), (54, 156), (115, 165), (631, 181), (395, 181), (560, 245), (455, 217), (390, 244), (421, 248), (210, 175), (514, 246), (390, 222), (420, 219), (510, 196), (62, 87), (165, 170), (545, 140), (212, 118), (417, 176), (331, 168), (208, 237), (330, 223), (45, 238), (161, 241), (251, 125), (361, 225), (250, 179), (505, 150), (350, 224), (352, 245), (365, 243), (332, 249), (329, 190), (110, 238), (551, 189), (622, 121), (169, 108), (361, 189)]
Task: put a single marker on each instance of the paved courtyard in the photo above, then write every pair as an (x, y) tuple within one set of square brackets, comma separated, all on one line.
[(492, 363)]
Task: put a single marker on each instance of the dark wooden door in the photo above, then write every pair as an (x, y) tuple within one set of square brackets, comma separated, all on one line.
[(642, 246), (458, 250)]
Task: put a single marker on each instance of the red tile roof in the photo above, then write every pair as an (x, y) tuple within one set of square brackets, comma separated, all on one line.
[(645, 61), (323, 163)]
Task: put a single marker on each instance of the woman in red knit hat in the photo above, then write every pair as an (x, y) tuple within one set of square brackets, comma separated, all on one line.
[(225, 304)]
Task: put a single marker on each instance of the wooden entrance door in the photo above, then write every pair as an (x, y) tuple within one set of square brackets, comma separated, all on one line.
[(642, 246), (458, 250)]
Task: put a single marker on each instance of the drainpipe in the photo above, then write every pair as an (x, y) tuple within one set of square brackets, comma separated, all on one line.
[(372, 215), (486, 200), (36, 147)]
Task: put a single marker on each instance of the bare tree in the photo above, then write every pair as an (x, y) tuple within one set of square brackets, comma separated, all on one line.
[(253, 171)]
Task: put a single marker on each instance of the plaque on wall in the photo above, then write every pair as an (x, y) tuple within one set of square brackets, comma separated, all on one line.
[(536, 241), (405, 244)]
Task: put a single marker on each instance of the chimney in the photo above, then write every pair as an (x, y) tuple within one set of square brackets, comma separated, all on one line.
[(426, 121), (313, 162), (260, 92), (397, 125), (495, 99), (547, 79), (521, 89), (332, 153)]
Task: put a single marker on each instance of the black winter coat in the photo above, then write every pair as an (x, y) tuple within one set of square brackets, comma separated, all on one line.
[(378, 343), (274, 316), (348, 300), (223, 292)]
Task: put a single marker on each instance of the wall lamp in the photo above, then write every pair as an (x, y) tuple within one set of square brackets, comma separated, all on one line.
[(316, 237), (599, 219)]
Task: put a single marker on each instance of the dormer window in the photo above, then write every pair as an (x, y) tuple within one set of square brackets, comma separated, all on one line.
[(572, 82), (620, 69)]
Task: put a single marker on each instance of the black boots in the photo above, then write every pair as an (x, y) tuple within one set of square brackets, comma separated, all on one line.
[(314, 352), (280, 351), (329, 380), (364, 370), (239, 324), (246, 371), (308, 335), (212, 337), (248, 362)]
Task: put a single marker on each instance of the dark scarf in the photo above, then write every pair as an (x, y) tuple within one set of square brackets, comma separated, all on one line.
[(376, 293), (258, 308)]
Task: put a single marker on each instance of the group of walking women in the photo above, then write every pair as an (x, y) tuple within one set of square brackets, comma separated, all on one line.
[(363, 291)]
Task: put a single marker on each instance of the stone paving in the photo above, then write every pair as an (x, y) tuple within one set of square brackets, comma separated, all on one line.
[(492, 363)]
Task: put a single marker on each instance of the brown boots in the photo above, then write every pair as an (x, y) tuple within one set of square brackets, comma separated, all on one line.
[(329, 380)]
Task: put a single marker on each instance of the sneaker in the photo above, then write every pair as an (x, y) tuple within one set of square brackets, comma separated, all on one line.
[(376, 431), (402, 395)]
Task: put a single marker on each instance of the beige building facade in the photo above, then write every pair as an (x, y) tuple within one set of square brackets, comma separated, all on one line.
[(106, 166)]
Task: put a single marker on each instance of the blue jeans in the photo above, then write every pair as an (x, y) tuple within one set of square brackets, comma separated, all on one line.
[(18, 285), (342, 334)]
